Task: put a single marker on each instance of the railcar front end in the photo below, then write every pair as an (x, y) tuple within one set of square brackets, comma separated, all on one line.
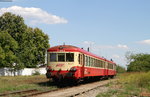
[(63, 65)]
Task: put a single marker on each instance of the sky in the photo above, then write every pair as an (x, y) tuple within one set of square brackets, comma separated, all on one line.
[(111, 28)]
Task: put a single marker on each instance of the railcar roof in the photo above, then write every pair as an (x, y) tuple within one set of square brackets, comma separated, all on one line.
[(70, 48)]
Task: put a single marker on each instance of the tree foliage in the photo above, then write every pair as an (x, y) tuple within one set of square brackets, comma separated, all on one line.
[(120, 69), (20, 44), (139, 62)]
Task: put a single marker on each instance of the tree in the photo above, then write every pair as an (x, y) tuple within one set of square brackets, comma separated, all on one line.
[(34, 47), (40, 42), (120, 69), (138, 62), (8, 46), (20, 44)]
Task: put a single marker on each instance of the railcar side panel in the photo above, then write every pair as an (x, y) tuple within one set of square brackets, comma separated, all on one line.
[(89, 71)]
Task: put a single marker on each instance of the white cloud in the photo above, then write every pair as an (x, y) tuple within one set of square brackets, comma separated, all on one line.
[(88, 42), (122, 46), (119, 46), (94, 46), (34, 15), (116, 56), (145, 42)]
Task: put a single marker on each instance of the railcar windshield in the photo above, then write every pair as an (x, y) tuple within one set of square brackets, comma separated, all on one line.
[(69, 57), (53, 57), (61, 57)]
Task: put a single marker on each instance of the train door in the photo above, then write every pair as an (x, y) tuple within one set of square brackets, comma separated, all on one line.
[(82, 63), (106, 69), (83, 57)]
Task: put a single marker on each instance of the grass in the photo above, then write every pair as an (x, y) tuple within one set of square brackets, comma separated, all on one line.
[(17, 83), (128, 85)]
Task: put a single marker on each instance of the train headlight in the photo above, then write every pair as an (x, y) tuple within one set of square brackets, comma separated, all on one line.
[(73, 69)]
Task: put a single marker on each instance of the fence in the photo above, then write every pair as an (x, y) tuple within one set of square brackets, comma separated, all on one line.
[(25, 71)]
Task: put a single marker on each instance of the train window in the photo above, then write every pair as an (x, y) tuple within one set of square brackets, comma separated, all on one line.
[(104, 64), (69, 57), (108, 66), (86, 61), (97, 63), (101, 65), (61, 57), (53, 57), (79, 58), (93, 62), (89, 61)]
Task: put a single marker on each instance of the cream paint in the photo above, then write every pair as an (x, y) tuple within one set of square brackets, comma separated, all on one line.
[(64, 65)]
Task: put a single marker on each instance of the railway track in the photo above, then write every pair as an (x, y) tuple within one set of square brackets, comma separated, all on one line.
[(76, 90), (70, 91), (25, 93), (29, 93), (19, 92)]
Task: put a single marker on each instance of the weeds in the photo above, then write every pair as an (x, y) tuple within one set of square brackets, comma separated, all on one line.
[(128, 85), (140, 79)]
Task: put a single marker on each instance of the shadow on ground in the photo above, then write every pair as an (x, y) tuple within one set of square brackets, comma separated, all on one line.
[(66, 83)]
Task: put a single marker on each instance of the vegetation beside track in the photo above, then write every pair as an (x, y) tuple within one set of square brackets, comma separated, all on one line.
[(129, 85), (17, 83)]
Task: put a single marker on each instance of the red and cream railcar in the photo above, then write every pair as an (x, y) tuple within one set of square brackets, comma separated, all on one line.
[(70, 62)]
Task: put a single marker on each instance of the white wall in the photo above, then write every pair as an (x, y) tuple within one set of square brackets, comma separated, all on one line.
[(25, 71)]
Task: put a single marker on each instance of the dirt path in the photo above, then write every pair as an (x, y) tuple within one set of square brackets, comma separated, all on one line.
[(86, 90)]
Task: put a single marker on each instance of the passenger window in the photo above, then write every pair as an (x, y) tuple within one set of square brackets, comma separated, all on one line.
[(69, 57), (86, 61), (61, 57), (52, 57), (79, 58)]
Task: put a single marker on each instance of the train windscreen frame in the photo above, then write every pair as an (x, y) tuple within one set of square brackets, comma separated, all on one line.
[(61, 57)]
